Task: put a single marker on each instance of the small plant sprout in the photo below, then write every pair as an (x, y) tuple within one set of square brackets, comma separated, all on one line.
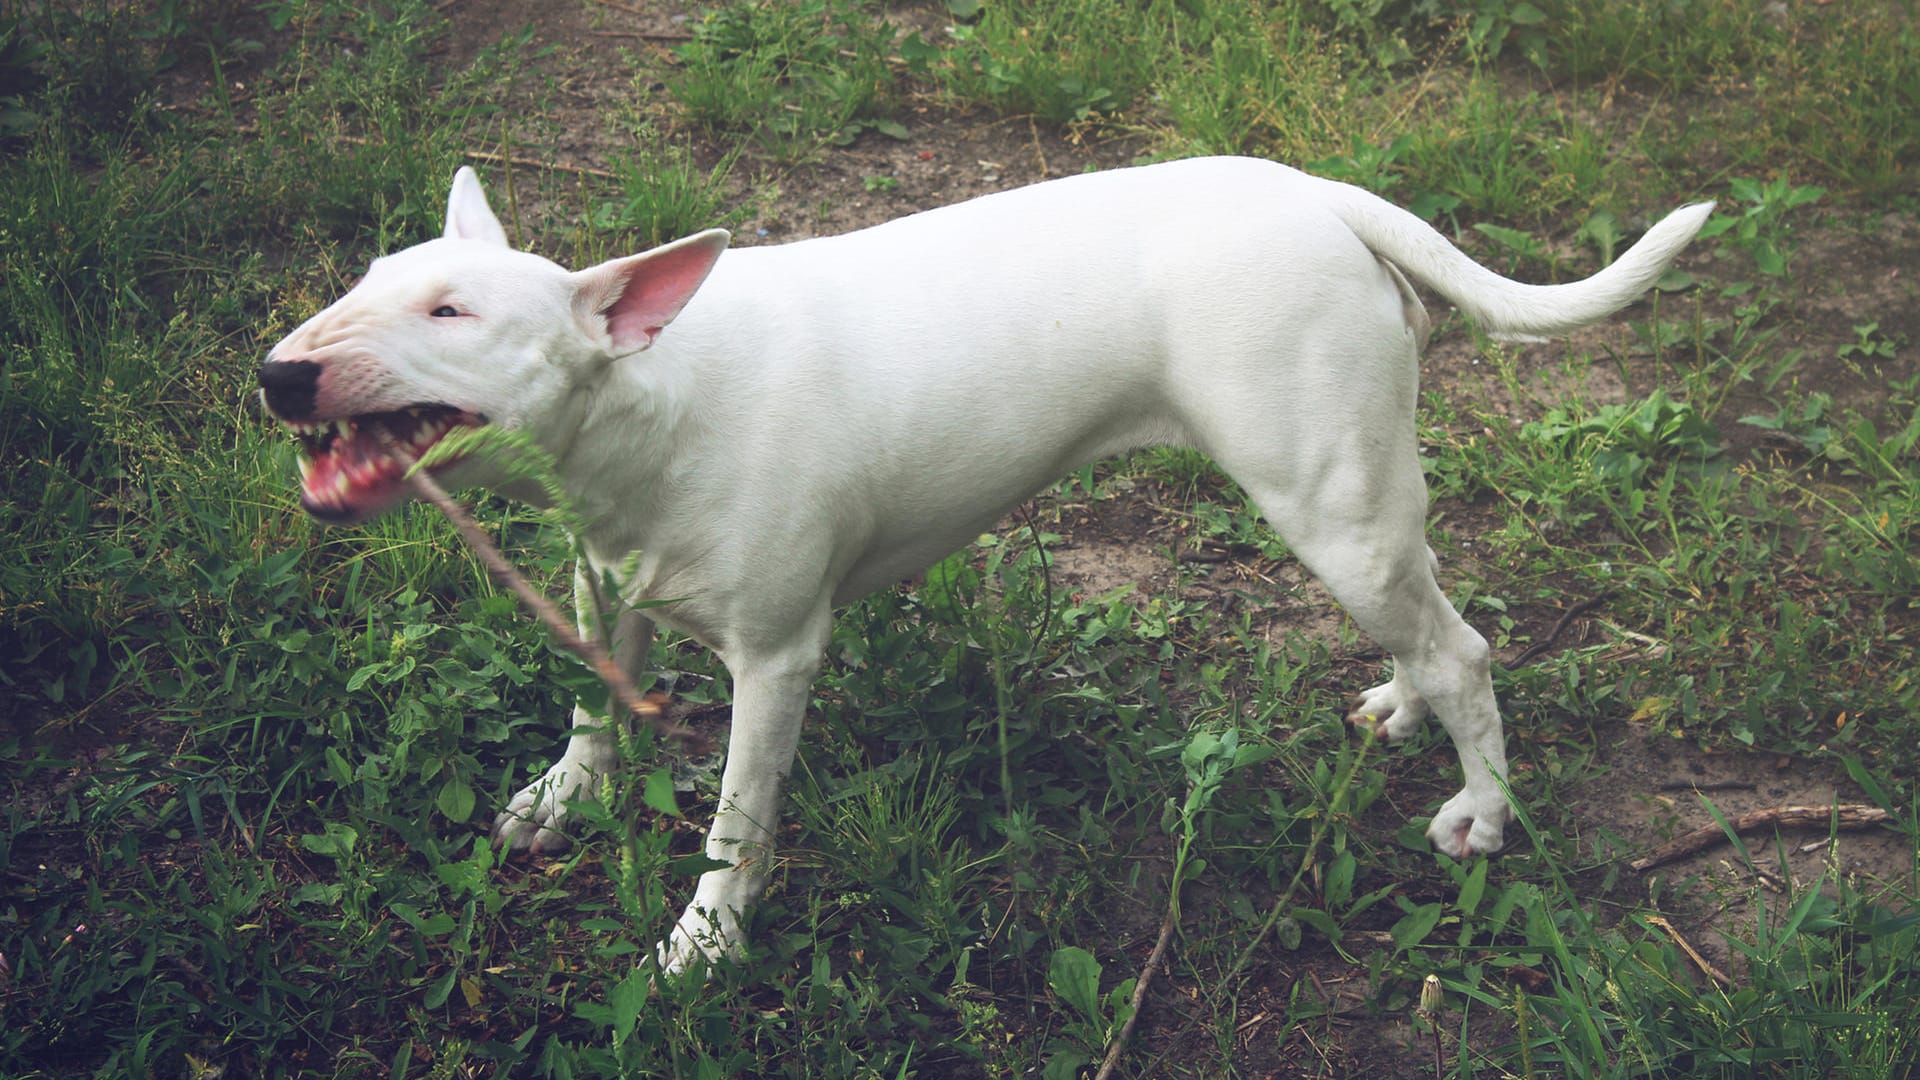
[(1431, 995)]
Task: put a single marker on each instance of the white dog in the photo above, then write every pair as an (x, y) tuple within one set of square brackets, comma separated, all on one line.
[(829, 417)]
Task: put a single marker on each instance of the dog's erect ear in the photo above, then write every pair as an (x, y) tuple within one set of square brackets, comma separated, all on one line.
[(468, 215), (636, 297)]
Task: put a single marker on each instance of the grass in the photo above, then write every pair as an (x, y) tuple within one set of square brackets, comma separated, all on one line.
[(247, 762)]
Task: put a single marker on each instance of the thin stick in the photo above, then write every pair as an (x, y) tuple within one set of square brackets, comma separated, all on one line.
[(490, 158), (1140, 986), (1709, 785), (623, 7), (624, 692), (1851, 816), (1553, 635), (641, 34), (1699, 961)]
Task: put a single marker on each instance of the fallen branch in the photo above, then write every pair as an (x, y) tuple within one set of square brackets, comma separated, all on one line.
[(1693, 954), (1154, 958), (487, 157), (629, 9), (1851, 816), (644, 708), (1553, 635), (1709, 785)]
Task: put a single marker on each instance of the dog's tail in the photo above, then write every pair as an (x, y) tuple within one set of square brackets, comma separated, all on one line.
[(1505, 308)]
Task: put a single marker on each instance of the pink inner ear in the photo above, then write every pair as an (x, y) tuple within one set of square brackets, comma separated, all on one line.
[(656, 286)]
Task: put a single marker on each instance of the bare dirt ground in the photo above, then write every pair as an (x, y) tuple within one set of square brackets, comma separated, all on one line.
[(1644, 787)]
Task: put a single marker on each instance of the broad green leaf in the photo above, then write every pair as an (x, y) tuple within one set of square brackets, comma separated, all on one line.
[(1474, 887), (441, 989), (628, 998), (337, 768), (1415, 925), (337, 841), (455, 799), (1065, 1064), (657, 792), (948, 581), (1339, 879), (1075, 976), (695, 864)]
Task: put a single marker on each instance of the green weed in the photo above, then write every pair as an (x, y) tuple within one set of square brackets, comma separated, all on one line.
[(1060, 60), (1507, 156), (1759, 229), (1252, 79), (794, 77), (664, 196)]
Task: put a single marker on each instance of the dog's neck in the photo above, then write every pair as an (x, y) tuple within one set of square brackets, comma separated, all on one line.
[(627, 436)]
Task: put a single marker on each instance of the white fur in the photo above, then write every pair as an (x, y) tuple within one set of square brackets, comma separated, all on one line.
[(829, 417)]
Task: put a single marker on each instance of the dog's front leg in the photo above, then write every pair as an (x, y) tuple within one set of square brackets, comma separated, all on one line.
[(769, 702), (534, 820)]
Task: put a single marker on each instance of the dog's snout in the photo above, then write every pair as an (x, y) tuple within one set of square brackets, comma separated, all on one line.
[(290, 387)]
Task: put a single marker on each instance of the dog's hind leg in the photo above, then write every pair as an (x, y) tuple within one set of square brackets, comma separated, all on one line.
[(1394, 709), (1438, 660), (534, 819), (770, 688), (1346, 492), (1374, 561)]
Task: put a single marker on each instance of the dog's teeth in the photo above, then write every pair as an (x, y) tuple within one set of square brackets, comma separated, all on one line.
[(341, 485), (306, 470)]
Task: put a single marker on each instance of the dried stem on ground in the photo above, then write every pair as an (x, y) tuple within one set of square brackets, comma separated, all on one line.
[(1540, 647), (1850, 816), (1693, 954), (1140, 985)]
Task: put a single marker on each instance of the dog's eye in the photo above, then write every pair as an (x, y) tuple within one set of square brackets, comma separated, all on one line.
[(446, 311)]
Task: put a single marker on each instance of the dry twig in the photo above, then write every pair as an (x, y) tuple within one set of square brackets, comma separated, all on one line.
[(1699, 961), (1541, 646), (1709, 785), (1140, 985), (647, 709), (489, 158), (1850, 816)]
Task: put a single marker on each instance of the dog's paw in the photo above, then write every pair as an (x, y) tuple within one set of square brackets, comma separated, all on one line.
[(534, 820), (1393, 710), (699, 941), (1462, 830)]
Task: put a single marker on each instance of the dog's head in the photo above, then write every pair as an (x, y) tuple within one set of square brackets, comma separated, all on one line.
[(459, 331)]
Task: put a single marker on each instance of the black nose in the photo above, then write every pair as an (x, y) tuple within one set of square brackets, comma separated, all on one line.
[(290, 387)]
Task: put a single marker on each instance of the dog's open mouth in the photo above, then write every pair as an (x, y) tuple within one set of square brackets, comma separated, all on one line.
[(354, 467)]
